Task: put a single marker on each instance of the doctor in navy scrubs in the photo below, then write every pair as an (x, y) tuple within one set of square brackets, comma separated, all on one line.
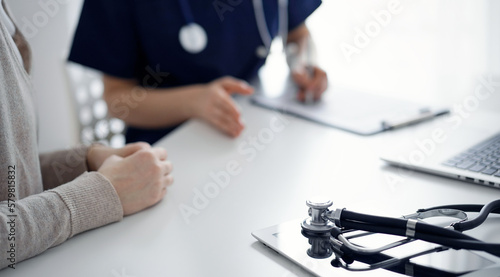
[(189, 55)]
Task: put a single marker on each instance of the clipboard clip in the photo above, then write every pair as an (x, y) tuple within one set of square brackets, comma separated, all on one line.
[(424, 114)]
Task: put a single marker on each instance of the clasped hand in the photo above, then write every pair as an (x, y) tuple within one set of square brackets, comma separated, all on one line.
[(139, 173)]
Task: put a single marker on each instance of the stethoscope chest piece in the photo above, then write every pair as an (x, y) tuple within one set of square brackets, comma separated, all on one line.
[(193, 38)]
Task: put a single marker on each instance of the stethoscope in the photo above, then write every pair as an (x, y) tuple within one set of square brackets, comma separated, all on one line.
[(193, 38), (330, 231)]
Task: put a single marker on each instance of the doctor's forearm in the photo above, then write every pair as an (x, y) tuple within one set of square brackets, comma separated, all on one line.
[(151, 108)]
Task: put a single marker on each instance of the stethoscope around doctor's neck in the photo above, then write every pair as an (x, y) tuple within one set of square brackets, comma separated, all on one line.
[(193, 38)]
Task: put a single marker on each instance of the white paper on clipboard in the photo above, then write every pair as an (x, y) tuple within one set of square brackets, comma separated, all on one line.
[(357, 112)]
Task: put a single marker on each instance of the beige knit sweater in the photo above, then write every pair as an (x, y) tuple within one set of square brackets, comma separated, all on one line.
[(44, 199)]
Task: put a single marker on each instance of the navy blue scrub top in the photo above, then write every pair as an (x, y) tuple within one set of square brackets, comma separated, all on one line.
[(132, 38)]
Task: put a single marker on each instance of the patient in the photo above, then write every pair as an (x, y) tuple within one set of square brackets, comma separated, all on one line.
[(46, 199)]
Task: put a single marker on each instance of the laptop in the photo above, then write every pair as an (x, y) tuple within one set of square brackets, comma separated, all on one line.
[(464, 146)]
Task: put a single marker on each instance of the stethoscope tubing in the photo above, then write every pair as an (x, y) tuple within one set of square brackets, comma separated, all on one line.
[(463, 207), (348, 218), (186, 11), (445, 237), (450, 237), (484, 211)]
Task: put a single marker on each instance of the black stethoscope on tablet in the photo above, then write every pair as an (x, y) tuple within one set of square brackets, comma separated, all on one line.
[(329, 231), (193, 38)]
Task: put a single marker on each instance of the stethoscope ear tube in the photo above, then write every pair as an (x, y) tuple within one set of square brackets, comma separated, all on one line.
[(448, 238), (368, 221), (423, 231), (483, 210), (492, 207)]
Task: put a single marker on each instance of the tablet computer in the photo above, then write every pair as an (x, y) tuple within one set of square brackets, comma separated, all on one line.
[(287, 240)]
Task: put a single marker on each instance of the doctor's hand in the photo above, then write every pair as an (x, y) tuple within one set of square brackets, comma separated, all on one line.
[(213, 104), (98, 153), (140, 179), (310, 80)]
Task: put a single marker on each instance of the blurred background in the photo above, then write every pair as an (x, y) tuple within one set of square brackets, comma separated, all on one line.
[(429, 51)]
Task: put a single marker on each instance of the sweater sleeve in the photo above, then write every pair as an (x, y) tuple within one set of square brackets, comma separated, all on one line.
[(62, 166), (44, 220)]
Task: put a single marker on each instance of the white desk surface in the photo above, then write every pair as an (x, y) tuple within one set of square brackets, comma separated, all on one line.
[(301, 161)]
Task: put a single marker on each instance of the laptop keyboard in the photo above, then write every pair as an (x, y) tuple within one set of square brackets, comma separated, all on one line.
[(483, 158)]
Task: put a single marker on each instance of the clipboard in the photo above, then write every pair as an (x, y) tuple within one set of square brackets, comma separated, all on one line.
[(357, 112)]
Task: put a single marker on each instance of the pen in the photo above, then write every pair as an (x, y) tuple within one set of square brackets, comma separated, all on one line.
[(309, 95), (309, 61), (424, 115)]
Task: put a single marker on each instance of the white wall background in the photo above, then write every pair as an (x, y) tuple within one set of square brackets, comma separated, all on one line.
[(432, 51)]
